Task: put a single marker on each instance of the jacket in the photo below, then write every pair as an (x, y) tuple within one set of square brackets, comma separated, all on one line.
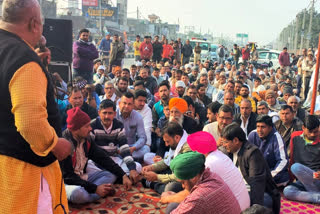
[(116, 52), (146, 50), (83, 55), (157, 49), (275, 153), (167, 51), (186, 50), (252, 124), (93, 152), (256, 173)]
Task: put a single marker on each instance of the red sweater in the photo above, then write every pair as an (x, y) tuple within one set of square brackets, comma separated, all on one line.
[(167, 51), (146, 50)]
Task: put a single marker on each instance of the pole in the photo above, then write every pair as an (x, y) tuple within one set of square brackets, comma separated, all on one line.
[(100, 17), (296, 35), (310, 25), (302, 29), (316, 79), (137, 12)]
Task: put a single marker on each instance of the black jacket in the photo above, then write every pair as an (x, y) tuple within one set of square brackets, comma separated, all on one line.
[(252, 125), (93, 152), (186, 50), (256, 172)]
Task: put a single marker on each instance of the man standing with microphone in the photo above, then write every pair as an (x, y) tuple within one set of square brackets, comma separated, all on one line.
[(31, 180)]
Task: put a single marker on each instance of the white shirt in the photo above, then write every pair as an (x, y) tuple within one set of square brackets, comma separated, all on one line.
[(221, 164), (244, 126), (235, 159), (212, 128), (147, 121)]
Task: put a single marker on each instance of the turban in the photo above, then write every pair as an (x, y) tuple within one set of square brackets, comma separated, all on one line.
[(187, 165), (270, 92), (76, 119), (202, 142), (179, 103)]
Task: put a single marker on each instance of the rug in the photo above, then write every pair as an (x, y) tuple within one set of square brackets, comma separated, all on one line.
[(141, 200), (138, 200), (298, 207)]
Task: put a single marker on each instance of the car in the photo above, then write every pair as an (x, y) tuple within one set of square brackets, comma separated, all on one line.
[(213, 52), (270, 57)]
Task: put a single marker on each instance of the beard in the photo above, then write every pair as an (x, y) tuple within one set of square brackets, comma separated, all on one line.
[(177, 120)]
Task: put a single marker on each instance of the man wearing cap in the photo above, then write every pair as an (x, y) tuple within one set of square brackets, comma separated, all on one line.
[(104, 49), (271, 144), (272, 101), (193, 76), (284, 59), (100, 78), (146, 49), (180, 88), (158, 175), (254, 169), (136, 46), (134, 126), (208, 192), (286, 93), (178, 107), (85, 182)]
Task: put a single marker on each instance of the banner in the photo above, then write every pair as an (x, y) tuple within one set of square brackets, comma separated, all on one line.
[(107, 12), (93, 3)]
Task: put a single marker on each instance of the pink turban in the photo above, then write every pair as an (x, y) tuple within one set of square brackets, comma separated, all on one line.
[(202, 142)]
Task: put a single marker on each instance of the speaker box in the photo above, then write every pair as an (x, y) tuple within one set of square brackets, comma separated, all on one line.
[(62, 69), (58, 33)]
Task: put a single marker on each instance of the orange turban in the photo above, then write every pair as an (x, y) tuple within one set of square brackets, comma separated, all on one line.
[(179, 103)]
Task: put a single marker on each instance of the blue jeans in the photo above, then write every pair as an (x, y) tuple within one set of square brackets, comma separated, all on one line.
[(306, 189), (78, 195)]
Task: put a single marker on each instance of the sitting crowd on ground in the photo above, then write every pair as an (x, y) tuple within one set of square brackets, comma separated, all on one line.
[(208, 137)]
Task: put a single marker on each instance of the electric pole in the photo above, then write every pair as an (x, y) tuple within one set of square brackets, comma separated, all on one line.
[(302, 30), (137, 12), (310, 24), (100, 18), (296, 35)]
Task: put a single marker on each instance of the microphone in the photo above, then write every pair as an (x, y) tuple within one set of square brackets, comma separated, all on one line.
[(42, 47)]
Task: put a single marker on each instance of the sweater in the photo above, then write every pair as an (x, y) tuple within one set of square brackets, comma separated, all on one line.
[(83, 55)]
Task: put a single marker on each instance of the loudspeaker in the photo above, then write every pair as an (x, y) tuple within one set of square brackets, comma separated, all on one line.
[(58, 33), (62, 69)]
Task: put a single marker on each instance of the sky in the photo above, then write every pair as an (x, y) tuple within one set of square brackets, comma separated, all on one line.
[(263, 20)]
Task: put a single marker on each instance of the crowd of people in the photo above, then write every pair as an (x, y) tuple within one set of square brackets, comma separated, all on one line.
[(210, 137)]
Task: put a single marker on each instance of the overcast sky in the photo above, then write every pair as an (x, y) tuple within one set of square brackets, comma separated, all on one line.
[(261, 19)]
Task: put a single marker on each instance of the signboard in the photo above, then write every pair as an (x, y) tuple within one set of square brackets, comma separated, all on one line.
[(242, 35), (107, 12), (93, 3)]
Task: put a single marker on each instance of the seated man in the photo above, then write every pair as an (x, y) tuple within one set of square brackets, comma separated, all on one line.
[(85, 182), (150, 98), (287, 124), (140, 99), (109, 93), (224, 118), (208, 192), (134, 127), (270, 143), (110, 135), (294, 102), (158, 175), (75, 98), (212, 112), (244, 94), (263, 108), (305, 162), (217, 162), (228, 99), (271, 98), (247, 118), (254, 169)]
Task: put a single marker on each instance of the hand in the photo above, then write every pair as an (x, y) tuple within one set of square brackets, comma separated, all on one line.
[(151, 176), (165, 197), (104, 189), (316, 175), (157, 158), (57, 76), (62, 149), (126, 182), (134, 176), (44, 55), (132, 149), (147, 169)]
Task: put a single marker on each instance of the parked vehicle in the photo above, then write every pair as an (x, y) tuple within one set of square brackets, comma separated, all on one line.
[(205, 49), (270, 57)]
